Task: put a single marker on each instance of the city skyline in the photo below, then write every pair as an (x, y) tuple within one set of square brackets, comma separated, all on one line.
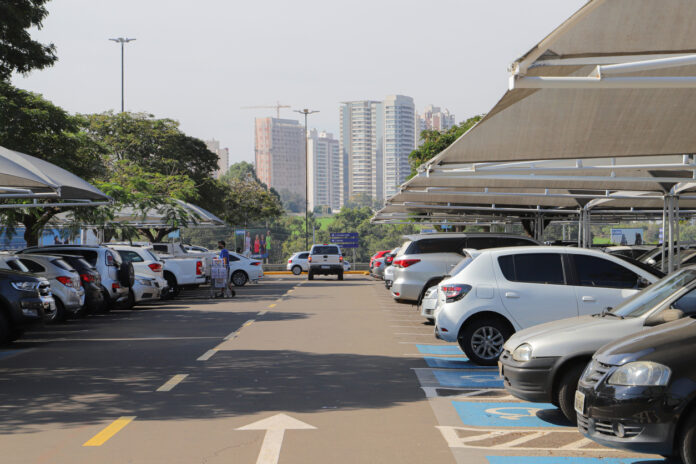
[(229, 59)]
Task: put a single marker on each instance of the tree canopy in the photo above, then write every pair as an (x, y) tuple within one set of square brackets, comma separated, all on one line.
[(435, 142), (18, 52)]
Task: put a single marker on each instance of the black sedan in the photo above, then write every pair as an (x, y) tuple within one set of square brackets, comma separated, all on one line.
[(91, 282), (639, 393)]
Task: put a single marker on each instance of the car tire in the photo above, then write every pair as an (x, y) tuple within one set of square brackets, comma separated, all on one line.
[(56, 316), (686, 444), (310, 275), (566, 392), (130, 301), (5, 336), (126, 274), (173, 286), (340, 276), (482, 340), (239, 278), (297, 270)]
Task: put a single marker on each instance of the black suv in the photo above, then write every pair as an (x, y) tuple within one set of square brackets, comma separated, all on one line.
[(23, 299), (639, 392)]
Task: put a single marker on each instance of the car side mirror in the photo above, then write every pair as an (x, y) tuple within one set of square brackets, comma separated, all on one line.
[(642, 283), (664, 316)]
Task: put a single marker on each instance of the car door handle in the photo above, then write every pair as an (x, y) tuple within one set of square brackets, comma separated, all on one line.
[(588, 299), (511, 295)]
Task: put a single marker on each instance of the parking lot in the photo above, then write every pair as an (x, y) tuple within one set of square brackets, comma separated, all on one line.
[(356, 377)]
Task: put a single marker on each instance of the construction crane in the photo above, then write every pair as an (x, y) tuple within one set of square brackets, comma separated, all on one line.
[(277, 107)]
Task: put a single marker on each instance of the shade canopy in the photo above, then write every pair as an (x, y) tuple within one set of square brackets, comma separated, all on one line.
[(24, 176), (158, 217)]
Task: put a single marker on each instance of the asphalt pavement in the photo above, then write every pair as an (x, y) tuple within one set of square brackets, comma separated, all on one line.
[(289, 371)]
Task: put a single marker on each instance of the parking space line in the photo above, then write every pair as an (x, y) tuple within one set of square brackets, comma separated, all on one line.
[(109, 431), (231, 336), (207, 355), (272, 305), (261, 313), (248, 323), (171, 383), (412, 333)]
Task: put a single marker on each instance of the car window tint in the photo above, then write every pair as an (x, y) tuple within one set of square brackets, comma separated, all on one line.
[(152, 256), (160, 248), (437, 245), (687, 303), (17, 265), (62, 264), (535, 268), (325, 250), (233, 257), (303, 256), (130, 256), (598, 272), (33, 266)]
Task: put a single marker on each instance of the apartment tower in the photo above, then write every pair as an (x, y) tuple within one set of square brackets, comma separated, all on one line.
[(280, 154), (325, 171)]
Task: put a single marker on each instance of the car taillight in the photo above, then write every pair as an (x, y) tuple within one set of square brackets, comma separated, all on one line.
[(110, 260), (389, 260), (455, 292), (340, 258), (87, 278), (309, 259), (378, 263), (256, 263), (115, 285), (405, 262), (199, 267), (289, 261), (67, 281), (156, 267)]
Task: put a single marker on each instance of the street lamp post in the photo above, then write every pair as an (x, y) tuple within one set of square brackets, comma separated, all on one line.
[(122, 40), (306, 113)]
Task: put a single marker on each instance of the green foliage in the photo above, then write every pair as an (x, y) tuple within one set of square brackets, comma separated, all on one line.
[(240, 171), (362, 200), (247, 200), (18, 52), (292, 202), (435, 142)]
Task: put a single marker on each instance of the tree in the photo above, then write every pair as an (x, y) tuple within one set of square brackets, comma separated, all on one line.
[(18, 52), (32, 125), (434, 142), (240, 171), (292, 202), (361, 200), (250, 202)]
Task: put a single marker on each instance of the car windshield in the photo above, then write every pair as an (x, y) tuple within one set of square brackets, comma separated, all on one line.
[(325, 250), (646, 300)]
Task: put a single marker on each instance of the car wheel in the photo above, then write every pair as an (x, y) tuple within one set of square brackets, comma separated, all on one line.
[(130, 301), (566, 392), (297, 270), (126, 274), (482, 340), (340, 276), (686, 444), (4, 330), (310, 275), (171, 282), (56, 315), (239, 278)]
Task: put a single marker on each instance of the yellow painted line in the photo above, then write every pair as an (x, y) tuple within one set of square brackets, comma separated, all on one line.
[(171, 383), (248, 323), (109, 431), (261, 313), (206, 356), (272, 305)]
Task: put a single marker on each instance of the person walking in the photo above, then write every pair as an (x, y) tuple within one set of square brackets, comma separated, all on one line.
[(262, 248), (257, 245), (225, 257), (268, 246)]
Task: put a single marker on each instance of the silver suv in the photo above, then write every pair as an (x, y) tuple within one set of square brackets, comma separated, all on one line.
[(423, 260), (325, 260)]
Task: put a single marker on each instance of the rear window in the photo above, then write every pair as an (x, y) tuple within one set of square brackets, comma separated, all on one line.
[(325, 250), (89, 256), (160, 248), (16, 265), (303, 256), (62, 264), (534, 268), (33, 266), (130, 256), (436, 245)]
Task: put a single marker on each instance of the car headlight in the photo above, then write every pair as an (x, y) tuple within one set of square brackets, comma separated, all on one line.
[(144, 282), (641, 373), (25, 286), (522, 353)]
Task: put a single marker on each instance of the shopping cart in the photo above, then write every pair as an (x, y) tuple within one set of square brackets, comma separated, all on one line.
[(220, 280)]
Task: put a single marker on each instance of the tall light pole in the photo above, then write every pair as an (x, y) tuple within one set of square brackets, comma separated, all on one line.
[(306, 113), (122, 40)]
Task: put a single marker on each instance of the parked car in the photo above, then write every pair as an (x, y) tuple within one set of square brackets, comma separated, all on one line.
[(346, 266), (431, 300), (379, 254), (146, 264), (23, 299), (632, 251), (388, 277), (639, 394), (66, 287), (543, 363), (178, 250), (146, 288), (91, 282), (181, 271), (298, 263), (325, 260), (508, 289), (116, 276), (424, 259), (388, 273), (243, 269)]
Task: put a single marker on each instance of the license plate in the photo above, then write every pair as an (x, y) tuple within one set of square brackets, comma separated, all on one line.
[(325, 267), (579, 402)]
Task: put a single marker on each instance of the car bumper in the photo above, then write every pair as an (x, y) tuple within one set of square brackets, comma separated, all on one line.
[(326, 269), (648, 422), (31, 311), (444, 328), (401, 290), (428, 308), (529, 381)]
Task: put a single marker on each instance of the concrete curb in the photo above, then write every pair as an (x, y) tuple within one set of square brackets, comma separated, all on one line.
[(304, 273)]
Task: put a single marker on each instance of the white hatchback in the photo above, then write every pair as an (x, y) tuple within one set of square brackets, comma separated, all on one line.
[(298, 262), (507, 289)]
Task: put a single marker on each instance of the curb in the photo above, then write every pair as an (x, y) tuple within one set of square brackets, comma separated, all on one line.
[(304, 273)]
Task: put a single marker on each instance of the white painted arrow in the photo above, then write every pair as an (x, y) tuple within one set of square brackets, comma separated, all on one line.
[(275, 427)]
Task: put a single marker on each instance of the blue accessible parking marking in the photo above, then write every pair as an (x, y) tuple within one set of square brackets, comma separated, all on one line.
[(503, 414), (8, 353), (469, 379), (563, 460), (452, 363), (439, 349)]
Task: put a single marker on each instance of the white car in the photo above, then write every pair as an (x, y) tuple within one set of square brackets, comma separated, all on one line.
[(389, 276), (431, 300), (243, 269), (298, 263), (508, 289), (145, 288), (346, 266), (146, 265)]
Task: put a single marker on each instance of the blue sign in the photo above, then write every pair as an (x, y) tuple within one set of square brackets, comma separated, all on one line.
[(344, 235), (345, 239)]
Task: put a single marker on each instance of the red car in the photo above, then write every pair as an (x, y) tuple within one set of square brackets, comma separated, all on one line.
[(377, 255)]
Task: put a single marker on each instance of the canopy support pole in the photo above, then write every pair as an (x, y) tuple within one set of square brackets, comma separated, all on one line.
[(664, 234)]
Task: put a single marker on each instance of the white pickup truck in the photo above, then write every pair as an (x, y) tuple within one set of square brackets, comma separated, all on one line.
[(181, 269), (178, 250)]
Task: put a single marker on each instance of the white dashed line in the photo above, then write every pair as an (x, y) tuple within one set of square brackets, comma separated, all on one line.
[(206, 356), (171, 383)]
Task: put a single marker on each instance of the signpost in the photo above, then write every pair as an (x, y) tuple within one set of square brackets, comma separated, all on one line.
[(345, 239)]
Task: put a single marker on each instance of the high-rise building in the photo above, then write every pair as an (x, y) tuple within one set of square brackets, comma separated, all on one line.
[(399, 141), (325, 171), (361, 149), (223, 157), (280, 154), (434, 118)]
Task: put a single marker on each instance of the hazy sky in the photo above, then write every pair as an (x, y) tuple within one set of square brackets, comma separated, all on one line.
[(199, 61)]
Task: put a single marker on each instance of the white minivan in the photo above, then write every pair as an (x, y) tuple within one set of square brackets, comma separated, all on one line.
[(507, 289)]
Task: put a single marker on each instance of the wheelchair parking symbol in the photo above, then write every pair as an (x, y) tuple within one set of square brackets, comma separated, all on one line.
[(488, 379), (502, 414), (513, 414)]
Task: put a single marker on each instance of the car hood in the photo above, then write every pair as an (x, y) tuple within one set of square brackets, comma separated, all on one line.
[(668, 343), (584, 334)]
